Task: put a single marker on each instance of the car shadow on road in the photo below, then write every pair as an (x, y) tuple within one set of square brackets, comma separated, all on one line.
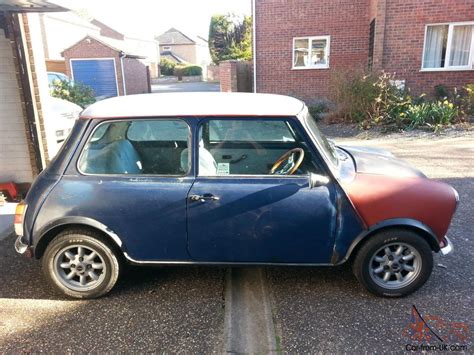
[(151, 309), (22, 278)]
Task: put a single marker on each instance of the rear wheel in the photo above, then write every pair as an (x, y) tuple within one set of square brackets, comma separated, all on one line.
[(393, 263), (79, 264)]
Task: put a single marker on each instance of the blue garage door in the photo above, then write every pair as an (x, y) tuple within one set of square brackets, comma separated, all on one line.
[(98, 74)]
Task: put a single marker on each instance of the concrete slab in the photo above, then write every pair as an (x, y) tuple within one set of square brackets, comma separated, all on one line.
[(248, 318)]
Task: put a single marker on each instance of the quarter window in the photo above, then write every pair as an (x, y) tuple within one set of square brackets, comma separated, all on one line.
[(311, 52), (449, 46), (157, 147)]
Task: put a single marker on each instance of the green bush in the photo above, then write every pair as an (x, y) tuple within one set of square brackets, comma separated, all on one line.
[(467, 100), (317, 110), (441, 92), (353, 93), (430, 114), (167, 66), (187, 70), (76, 92), (369, 100)]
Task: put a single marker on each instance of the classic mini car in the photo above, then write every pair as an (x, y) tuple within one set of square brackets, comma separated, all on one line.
[(226, 178)]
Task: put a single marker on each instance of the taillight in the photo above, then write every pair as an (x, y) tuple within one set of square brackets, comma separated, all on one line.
[(19, 218)]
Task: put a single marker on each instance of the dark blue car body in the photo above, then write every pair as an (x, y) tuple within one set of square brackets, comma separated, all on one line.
[(269, 219), (216, 178)]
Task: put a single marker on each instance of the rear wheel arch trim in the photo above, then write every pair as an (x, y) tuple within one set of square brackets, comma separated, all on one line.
[(67, 222), (408, 223)]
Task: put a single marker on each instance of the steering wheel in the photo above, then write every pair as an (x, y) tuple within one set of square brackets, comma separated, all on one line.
[(291, 164)]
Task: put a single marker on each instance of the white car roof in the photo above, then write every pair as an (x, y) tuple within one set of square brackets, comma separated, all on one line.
[(194, 104)]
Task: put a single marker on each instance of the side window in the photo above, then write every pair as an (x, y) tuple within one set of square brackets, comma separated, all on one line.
[(159, 130), (156, 147), (249, 130), (252, 147)]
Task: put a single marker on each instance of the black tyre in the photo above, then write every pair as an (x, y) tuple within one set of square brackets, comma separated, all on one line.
[(393, 263), (80, 264)]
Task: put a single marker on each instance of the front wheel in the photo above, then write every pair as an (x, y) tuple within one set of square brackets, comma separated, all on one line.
[(79, 264), (393, 263)]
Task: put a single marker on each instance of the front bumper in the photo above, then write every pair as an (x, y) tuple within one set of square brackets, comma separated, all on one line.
[(447, 247), (22, 248)]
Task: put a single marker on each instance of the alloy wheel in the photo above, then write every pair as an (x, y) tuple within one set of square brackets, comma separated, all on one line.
[(395, 265), (80, 268)]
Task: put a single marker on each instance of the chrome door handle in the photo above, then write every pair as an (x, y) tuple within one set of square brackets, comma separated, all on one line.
[(204, 198)]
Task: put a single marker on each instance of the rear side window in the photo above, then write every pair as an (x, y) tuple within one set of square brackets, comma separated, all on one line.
[(151, 147)]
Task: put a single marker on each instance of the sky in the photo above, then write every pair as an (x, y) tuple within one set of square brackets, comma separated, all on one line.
[(146, 18)]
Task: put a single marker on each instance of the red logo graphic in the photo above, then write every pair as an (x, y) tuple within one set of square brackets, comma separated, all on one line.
[(419, 330)]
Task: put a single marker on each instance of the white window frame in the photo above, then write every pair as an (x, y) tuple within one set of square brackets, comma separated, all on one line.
[(447, 67), (310, 40)]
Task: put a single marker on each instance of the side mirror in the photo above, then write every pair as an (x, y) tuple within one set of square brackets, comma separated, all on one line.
[(316, 180)]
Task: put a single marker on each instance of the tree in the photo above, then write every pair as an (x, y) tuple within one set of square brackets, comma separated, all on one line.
[(230, 37)]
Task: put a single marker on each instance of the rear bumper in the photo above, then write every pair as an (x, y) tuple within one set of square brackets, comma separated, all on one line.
[(22, 248), (447, 247)]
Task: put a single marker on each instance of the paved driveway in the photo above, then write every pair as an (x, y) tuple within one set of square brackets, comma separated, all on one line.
[(198, 309)]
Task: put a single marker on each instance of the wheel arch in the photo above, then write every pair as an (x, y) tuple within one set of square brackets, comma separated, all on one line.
[(403, 223), (48, 234)]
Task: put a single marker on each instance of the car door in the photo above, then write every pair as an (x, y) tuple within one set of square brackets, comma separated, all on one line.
[(134, 180), (238, 212)]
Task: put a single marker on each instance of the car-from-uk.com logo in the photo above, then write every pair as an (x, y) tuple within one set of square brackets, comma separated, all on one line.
[(432, 333)]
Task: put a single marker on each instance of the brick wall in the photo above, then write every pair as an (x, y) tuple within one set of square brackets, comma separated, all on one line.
[(90, 48), (228, 75), (405, 22), (136, 80), (398, 44), (236, 76), (278, 22), (15, 163), (35, 88)]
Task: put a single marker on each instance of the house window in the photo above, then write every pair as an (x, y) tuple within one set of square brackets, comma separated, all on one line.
[(449, 46), (311, 52), (166, 48)]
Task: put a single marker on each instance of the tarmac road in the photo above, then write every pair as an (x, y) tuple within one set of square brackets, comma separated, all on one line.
[(166, 309), (171, 309), (199, 86)]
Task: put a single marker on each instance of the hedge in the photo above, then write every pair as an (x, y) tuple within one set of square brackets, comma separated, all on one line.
[(187, 70)]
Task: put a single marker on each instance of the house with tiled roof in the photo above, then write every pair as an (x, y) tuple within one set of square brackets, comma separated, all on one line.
[(181, 48)]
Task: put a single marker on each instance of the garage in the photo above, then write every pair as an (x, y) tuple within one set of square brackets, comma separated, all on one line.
[(108, 66), (99, 74)]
